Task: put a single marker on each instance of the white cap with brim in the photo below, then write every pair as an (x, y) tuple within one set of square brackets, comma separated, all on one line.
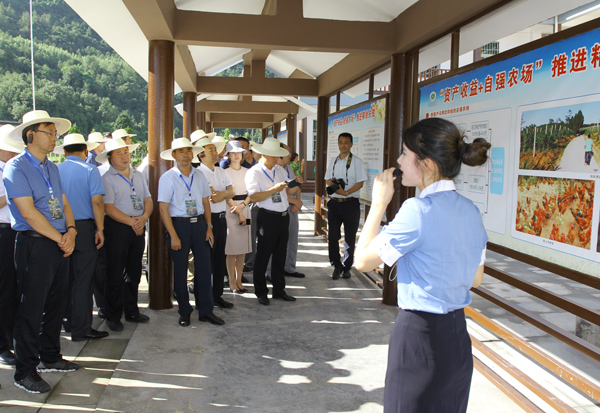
[(75, 139), (121, 133), (270, 147), (97, 137), (235, 146), (202, 142), (179, 143), (7, 144), (113, 145), (39, 116), (199, 134)]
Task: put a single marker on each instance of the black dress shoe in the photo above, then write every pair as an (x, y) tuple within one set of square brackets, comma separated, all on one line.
[(66, 325), (346, 274), (284, 296), (336, 273), (219, 302), (211, 318), (92, 335), (246, 269), (294, 274), (7, 357), (101, 313), (138, 318), (264, 300), (184, 320), (115, 325)]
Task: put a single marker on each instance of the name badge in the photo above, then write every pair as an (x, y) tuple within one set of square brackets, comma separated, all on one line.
[(137, 202), (55, 210), (276, 197), (190, 207)]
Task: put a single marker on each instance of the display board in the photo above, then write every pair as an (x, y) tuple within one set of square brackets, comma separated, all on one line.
[(283, 137), (366, 122), (540, 110)]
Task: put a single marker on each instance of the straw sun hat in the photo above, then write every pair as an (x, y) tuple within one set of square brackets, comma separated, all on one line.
[(74, 139), (179, 143), (270, 147), (113, 145), (39, 116)]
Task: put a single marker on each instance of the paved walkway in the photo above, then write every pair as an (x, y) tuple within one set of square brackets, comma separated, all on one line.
[(326, 352)]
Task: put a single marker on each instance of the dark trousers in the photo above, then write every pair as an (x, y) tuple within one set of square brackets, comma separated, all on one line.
[(430, 364), (192, 237), (100, 278), (348, 214), (81, 279), (272, 232), (43, 277), (8, 288), (124, 251), (249, 258), (217, 254)]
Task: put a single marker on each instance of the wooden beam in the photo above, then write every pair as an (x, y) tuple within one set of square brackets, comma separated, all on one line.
[(185, 69), (349, 69), (241, 117), (257, 86), (238, 106), (154, 17), (238, 125)]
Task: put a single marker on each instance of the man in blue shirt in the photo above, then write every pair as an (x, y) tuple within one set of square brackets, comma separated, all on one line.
[(42, 216), (83, 186), (99, 140)]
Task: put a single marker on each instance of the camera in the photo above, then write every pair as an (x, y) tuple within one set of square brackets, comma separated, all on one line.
[(336, 184)]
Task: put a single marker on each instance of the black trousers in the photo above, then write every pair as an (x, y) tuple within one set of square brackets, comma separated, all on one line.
[(430, 364), (8, 288), (43, 277), (272, 232), (100, 278), (192, 237), (217, 254), (81, 279), (348, 214), (124, 252)]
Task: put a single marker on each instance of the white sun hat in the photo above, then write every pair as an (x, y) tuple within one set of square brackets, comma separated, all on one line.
[(270, 147), (199, 134), (74, 139), (39, 116), (113, 145), (207, 140), (179, 143), (7, 144), (235, 146), (97, 137), (121, 133)]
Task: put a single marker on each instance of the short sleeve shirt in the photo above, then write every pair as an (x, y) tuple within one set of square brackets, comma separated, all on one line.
[(260, 179), (81, 182), (352, 175), (24, 177), (4, 211), (438, 241), (219, 181), (119, 190), (173, 189)]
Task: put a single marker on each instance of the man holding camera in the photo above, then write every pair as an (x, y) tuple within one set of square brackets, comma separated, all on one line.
[(345, 177)]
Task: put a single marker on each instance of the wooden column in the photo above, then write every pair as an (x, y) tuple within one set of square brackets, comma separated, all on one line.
[(322, 113), (208, 126), (302, 139), (399, 119), (276, 129), (189, 113), (265, 133), (454, 50), (371, 85), (201, 123), (161, 82), (291, 131)]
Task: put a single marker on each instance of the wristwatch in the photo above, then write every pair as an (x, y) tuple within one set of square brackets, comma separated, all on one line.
[(72, 226)]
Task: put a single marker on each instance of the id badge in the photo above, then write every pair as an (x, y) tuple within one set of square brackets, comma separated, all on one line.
[(137, 203), (55, 210), (276, 197), (190, 207)]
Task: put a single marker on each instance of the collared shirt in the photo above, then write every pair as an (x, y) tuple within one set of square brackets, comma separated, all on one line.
[(91, 158), (354, 174), (172, 189), (119, 192), (4, 211), (22, 178), (438, 241), (81, 182), (260, 179), (219, 181)]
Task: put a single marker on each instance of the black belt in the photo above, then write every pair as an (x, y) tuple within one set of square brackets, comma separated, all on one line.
[(239, 197), (268, 211), (4, 225), (191, 220), (218, 215), (33, 234), (343, 199)]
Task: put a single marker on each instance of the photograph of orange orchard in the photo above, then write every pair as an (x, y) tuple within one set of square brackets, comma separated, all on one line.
[(557, 209), (554, 139)]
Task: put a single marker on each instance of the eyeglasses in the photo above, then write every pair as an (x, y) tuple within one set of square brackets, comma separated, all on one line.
[(55, 134)]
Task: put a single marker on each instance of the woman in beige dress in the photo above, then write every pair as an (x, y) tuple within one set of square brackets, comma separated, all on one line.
[(238, 228)]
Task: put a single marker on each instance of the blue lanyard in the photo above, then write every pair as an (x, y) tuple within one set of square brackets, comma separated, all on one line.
[(189, 187), (272, 179), (130, 183), (1, 169), (43, 175)]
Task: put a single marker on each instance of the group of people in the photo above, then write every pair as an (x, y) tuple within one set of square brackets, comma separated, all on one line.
[(61, 218)]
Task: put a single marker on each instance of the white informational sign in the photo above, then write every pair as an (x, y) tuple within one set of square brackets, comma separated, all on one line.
[(366, 124), (283, 137), (540, 110)]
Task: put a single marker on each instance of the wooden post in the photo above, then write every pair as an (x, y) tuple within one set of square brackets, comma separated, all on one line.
[(322, 114), (454, 50), (291, 131), (189, 113), (161, 82), (201, 121)]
